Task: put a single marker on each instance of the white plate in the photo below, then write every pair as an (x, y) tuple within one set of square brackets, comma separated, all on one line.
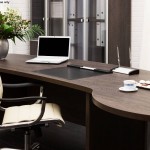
[(143, 86), (127, 90)]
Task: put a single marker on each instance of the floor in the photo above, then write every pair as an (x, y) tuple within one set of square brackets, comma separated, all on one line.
[(69, 137)]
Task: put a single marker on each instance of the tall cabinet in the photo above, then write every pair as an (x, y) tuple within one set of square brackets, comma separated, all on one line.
[(83, 20), (119, 31), (87, 22)]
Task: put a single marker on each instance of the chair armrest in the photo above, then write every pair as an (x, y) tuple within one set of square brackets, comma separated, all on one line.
[(41, 114), (31, 98), (19, 85)]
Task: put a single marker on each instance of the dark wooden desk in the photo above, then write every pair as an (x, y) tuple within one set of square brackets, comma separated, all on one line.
[(114, 120)]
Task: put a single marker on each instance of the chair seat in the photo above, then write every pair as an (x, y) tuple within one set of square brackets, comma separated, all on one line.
[(27, 113)]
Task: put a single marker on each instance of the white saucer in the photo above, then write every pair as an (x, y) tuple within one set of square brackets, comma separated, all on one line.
[(127, 90)]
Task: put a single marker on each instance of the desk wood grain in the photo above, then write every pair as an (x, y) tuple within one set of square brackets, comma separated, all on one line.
[(104, 89)]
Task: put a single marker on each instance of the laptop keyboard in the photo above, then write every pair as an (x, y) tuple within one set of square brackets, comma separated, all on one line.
[(48, 60), (51, 58)]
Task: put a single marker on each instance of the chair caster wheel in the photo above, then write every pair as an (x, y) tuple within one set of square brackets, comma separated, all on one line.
[(35, 146)]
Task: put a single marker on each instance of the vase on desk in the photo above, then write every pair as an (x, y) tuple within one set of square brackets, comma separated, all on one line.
[(4, 47)]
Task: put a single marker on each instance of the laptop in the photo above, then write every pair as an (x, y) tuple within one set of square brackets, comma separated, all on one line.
[(52, 49)]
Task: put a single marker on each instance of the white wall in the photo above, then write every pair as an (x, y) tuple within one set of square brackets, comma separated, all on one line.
[(137, 31), (24, 8), (145, 49)]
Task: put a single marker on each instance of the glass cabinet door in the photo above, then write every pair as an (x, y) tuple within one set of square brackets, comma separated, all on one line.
[(75, 27), (97, 30), (54, 14), (37, 12), (87, 28)]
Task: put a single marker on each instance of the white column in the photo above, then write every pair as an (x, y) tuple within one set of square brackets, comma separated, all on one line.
[(85, 29), (23, 7), (106, 53), (4, 4), (145, 49)]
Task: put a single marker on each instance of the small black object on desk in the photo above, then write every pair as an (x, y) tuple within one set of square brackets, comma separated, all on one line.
[(90, 68)]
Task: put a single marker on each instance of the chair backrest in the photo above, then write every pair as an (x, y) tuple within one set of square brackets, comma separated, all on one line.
[(1, 88)]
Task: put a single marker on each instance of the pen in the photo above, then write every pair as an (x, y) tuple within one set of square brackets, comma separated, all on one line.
[(88, 68)]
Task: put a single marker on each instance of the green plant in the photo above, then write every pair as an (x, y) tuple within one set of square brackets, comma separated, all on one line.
[(12, 25)]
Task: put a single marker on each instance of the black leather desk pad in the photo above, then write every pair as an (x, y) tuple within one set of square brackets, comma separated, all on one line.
[(69, 73)]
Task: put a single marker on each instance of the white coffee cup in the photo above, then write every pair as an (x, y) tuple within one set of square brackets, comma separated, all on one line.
[(129, 84)]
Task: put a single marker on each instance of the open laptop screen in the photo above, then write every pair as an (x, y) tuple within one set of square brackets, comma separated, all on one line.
[(53, 46)]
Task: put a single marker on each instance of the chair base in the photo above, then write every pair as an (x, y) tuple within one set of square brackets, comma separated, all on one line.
[(27, 142), (35, 146)]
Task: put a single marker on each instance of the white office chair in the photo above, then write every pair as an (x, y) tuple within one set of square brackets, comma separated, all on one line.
[(28, 116)]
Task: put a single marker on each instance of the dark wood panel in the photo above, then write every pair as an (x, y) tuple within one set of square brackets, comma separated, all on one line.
[(119, 30), (33, 47), (111, 132)]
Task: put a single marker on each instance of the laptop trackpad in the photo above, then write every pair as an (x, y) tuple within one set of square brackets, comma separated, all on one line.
[(69, 73)]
